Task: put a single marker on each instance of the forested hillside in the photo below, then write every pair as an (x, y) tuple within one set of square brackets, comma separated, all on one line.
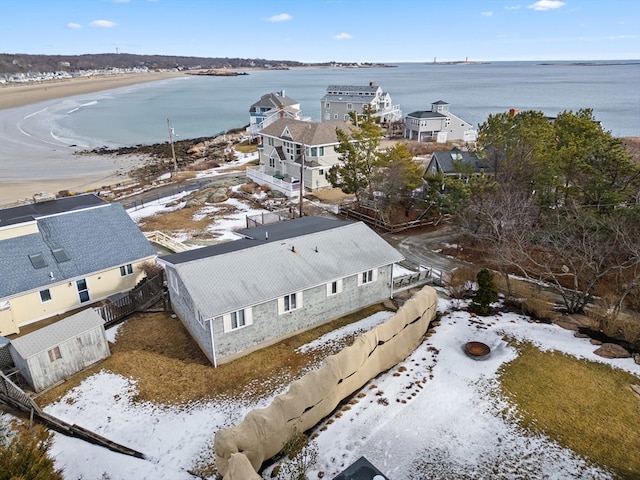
[(22, 63)]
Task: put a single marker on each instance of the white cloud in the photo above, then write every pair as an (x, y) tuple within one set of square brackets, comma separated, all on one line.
[(103, 24), (514, 7), (486, 14), (342, 36), (281, 17), (542, 5), (74, 26)]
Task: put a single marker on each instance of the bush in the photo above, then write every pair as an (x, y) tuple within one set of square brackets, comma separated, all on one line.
[(460, 282), (24, 454), (487, 293), (301, 454)]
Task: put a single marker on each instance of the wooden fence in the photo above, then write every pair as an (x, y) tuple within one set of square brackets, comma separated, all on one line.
[(380, 222), (138, 299), (13, 395)]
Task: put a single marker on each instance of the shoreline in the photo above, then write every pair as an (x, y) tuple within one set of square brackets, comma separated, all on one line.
[(19, 95), (50, 168)]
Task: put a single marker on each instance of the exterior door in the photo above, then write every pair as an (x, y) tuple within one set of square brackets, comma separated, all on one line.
[(83, 290)]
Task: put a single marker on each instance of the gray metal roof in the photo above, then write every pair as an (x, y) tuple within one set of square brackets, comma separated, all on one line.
[(28, 212), (228, 281), (361, 469), (308, 133), (94, 239), (53, 335)]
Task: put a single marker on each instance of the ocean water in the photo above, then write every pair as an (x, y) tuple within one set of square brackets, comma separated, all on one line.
[(204, 106)]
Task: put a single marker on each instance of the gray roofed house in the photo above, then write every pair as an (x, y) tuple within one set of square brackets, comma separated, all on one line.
[(457, 162), (340, 100), (56, 256), (269, 108), (281, 154), (57, 351), (437, 124), (277, 280)]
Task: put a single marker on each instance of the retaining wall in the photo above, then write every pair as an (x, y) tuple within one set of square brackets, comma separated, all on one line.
[(263, 432)]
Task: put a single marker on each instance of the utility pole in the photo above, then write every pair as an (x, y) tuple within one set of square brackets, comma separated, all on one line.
[(304, 152), (173, 150)]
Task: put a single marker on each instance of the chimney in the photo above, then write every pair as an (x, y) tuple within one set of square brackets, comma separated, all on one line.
[(281, 107), (513, 112), (372, 84)]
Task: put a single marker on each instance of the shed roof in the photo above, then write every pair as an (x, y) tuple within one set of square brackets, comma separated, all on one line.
[(57, 333), (94, 239), (298, 255), (361, 469)]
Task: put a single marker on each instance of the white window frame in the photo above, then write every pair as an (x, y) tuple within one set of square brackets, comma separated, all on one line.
[(42, 299), (173, 281), (231, 321), (367, 277), (349, 106), (284, 303), (126, 270), (338, 287)]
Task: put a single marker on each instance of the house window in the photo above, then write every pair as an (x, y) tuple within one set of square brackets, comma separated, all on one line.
[(54, 354), (270, 141), (349, 106), (126, 270), (368, 276), (83, 290), (346, 117), (173, 281), (314, 151), (334, 288), (320, 151), (236, 320), (45, 295), (321, 172), (290, 302), (327, 105), (335, 116), (272, 162)]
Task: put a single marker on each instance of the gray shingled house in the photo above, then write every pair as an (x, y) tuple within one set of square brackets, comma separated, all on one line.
[(341, 100), (457, 162), (57, 351), (59, 255), (276, 281)]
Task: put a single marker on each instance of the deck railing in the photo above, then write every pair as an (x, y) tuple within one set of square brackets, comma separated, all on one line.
[(257, 175)]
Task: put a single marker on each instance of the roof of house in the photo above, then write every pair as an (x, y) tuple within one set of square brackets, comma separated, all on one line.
[(69, 246), (361, 469), (351, 93), (440, 102), (53, 335), (273, 100), (308, 133), (426, 114), (297, 255), (446, 161), (28, 212)]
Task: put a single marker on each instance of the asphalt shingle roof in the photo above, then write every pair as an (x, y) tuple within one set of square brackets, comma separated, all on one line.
[(308, 133), (273, 100), (94, 239), (301, 255)]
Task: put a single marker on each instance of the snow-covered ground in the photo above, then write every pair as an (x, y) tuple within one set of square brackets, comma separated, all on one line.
[(438, 409)]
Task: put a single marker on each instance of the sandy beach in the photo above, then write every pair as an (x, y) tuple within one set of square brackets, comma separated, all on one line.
[(29, 165)]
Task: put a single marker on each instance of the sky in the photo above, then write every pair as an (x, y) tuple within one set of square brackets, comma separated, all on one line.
[(327, 30)]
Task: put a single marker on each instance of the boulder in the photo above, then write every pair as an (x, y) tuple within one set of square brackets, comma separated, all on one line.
[(612, 350), (593, 341), (636, 358)]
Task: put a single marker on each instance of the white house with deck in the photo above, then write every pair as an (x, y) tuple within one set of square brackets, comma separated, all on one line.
[(340, 100), (437, 124)]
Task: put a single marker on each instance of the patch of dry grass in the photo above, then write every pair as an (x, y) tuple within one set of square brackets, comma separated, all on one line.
[(585, 406), (157, 351), (177, 220)]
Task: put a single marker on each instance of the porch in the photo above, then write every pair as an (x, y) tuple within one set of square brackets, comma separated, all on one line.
[(290, 187)]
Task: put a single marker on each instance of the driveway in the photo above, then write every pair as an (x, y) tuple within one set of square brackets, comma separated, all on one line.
[(422, 248)]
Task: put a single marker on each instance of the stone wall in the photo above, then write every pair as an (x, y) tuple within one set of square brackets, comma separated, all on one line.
[(263, 432)]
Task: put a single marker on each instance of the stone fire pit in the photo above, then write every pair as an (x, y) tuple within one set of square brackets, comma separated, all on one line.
[(477, 350)]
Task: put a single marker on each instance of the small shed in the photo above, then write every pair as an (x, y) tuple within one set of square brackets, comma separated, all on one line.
[(361, 469), (57, 351)]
